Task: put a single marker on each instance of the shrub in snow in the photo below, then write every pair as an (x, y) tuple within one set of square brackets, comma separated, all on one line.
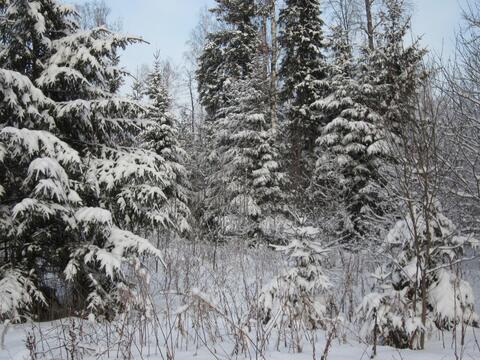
[(298, 297), (423, 251)]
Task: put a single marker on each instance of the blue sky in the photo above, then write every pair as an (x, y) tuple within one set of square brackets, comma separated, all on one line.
[(437, 21), (166, 25)]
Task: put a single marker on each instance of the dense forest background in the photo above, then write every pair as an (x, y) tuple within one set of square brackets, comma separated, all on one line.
[(310, 174)]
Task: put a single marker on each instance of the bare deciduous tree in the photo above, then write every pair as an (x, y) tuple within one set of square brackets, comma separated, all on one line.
[(95, 13), (347, 15), (195, 44), (462, 88)]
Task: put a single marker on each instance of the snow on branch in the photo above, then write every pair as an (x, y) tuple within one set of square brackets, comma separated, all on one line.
[(25, 143), (17, 292), (23, 99)]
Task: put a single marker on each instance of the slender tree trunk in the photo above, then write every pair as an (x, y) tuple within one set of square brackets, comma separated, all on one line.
[(192, 102), (428, 203), (265, 48), (375, 334), (368, 12), (273, 64)]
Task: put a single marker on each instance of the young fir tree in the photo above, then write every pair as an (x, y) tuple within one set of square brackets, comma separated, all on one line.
[(298, 297), (137, 88), (247, 184), (53, 138), (303, 73), (161, 137), (392, 314)]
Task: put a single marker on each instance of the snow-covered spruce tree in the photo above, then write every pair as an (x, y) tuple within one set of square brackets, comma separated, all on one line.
[(298, 297), (341, 71), (142, 187), (156, 89), (161, 138), (137, 89), (392, 314), (247, 185), (397, 67), (303, 74), (55, 228), (99, 124), (35, 193), (225, 59), (352, 147), (227, 53), (373, 99)]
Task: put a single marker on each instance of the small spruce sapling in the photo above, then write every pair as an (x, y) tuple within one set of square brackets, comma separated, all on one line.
[(298, 297), (392, 314)]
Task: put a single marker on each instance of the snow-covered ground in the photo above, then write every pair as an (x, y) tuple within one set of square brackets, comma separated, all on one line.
[(199, 307), (55, 348)]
